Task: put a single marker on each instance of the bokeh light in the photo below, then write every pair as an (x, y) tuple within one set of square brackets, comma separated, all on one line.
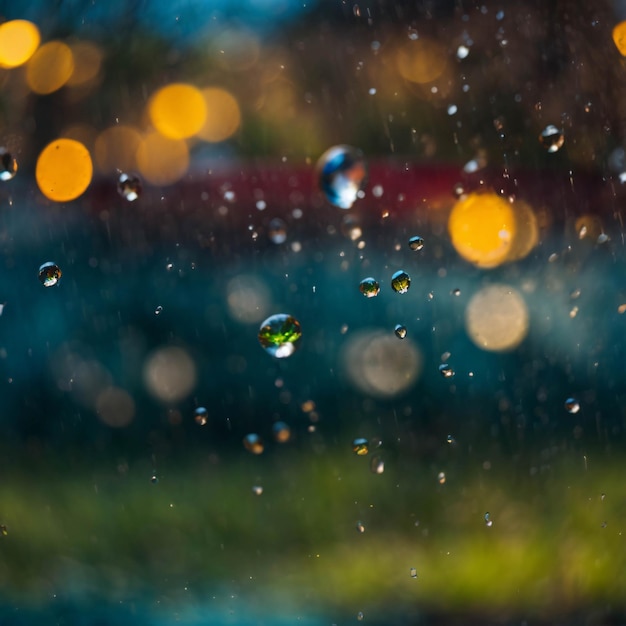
[(222, 115), (50, 68), (170, 374), (379, 365), (619, 37), (19, 39), (162, 161), (116, 148), (421, 61), (87, 63), (177, 111), (248, 298), (115, 407), (496, 318), (488, 230), (64, 170)]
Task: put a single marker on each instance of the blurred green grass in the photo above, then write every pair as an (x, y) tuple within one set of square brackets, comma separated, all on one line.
[(556, 544)]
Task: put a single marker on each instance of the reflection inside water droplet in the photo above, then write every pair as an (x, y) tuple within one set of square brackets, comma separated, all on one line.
[(280, 335), (400, 282)]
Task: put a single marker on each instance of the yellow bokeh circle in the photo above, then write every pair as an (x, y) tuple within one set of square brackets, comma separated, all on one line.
[(223, 115), (18, 41), (162, 161), (421, 61), (64, 170), (619, 38), (50, 67), (496, 318), (87, 63), (482, 229), (177, 111), (116, 149)]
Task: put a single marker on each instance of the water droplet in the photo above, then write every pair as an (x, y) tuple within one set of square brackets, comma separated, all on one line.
[(253, 443), (462, 52), (441, 477), (602, 496), (129, 186), (369, 287), (450, 439), (572, 405), (360, 526), (280, 335), (155, 479), (257, 490), (416, 243), (400, 282), (360, 616), (360, 446), (277, 231), (400, 331), (8, 165), (282, 432), (351, 227), (49, 274), (488, 520), (342, 174), (552, 138), (4, 530), (413, 572), (446, 371), (201, 415), (377, 465), (158, 310)]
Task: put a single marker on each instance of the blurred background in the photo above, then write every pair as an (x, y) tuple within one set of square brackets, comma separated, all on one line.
[(431, 193)]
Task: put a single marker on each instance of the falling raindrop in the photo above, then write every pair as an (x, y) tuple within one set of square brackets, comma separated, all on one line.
[(416, 243), (360, 526), (360, 446), (257, 490), (277, 231), (450, 439), (8, 165), (400, 331), (377, 465), (400, 282), (369, 287), (360, 616), (488, 520), (413, 572), (446, 371), (282, 432), (129, 186), (552, 138), (50, 274), (280, 335), (456, 292), (572, 405), (441, 478), (155, 479), (342, 174), (253, 443), (201, 416), (158, 310)]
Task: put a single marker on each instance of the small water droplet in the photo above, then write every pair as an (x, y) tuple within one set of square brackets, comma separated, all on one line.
[(446, 371), (572, 405), (257, 490), (351, 227), (441, 478), (413, 572), (360, 446), (377, 465), (462, 52), (416, 243), (400, 282), (253, 443), (201, 416), (602, 496), (342, 174), (456, 292), (8, 165), (49, 274), (280, 335), (129, 186), (360, 526), (4, 530), (450, 439), (369, 287), (488, 520), (282, 432), (155, 479), (277, 231), (158, 310), (360, 616), (552, 138), (400, 331)]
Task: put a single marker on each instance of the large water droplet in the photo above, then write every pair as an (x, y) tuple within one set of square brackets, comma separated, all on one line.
[(49, 274), (360, 446), (129, 186), (552, 138), (572, 405), (369, 287), (400, 331), (400, 282), (277, 231), (8, 165), (253, 443), (280, 335), (342, 174), (416, 243)]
